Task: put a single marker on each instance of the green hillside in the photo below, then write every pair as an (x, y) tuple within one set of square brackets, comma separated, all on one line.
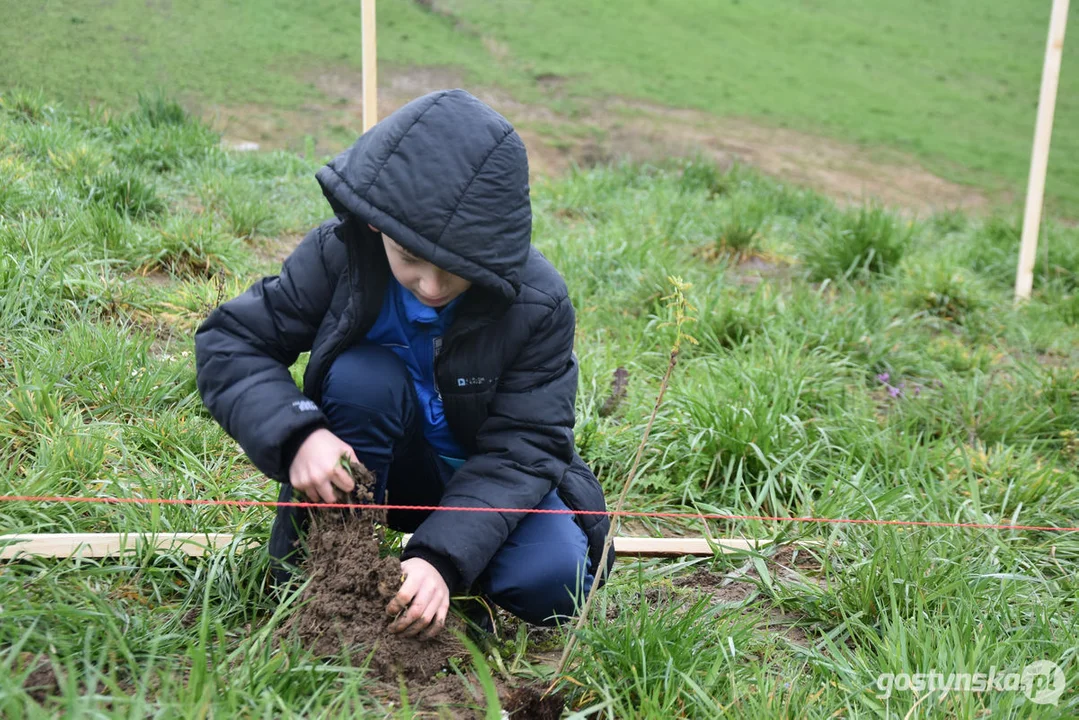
[(954, 84)]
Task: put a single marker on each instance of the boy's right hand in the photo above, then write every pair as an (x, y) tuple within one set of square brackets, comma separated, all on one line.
[(316, 470)]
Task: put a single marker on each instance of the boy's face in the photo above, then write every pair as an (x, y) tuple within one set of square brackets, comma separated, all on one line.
[(431, 285)]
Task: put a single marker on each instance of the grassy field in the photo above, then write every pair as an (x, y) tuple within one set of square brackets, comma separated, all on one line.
[(952, 84), (847, 364)]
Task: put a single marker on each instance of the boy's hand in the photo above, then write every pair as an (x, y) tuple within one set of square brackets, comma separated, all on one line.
[(317, 470), (426, 596)]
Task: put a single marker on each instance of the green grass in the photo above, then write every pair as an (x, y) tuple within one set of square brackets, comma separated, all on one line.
[(954, 84), (244, 52), (913, 390)]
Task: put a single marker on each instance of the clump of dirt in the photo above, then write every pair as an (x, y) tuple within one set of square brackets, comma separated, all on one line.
[(344, 605), (191, 618), (529, 703)]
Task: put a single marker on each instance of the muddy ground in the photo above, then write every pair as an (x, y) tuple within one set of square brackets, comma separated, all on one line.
[(343, 608)]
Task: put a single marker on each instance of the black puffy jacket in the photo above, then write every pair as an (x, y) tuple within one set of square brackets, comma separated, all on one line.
[(447, 178)]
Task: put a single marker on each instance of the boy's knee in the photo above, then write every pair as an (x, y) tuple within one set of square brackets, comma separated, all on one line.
[(364, 371), (367, 383), (545, 591)]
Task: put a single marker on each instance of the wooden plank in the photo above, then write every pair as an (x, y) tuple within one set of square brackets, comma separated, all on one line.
[(106, 544), (64, 545), (1039, 159), (369, 60), (676, 547)]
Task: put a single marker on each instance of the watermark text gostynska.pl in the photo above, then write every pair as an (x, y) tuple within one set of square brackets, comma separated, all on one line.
[(1042, 682)]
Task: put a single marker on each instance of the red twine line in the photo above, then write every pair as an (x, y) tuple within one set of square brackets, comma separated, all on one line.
[(623, 513)]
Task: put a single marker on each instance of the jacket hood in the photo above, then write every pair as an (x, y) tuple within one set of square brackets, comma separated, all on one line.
[(447, 178)]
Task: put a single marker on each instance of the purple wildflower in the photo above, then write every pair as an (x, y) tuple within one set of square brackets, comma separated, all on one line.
[(883, 377), (894, 391)]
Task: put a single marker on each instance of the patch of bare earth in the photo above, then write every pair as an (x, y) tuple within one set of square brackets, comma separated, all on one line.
[(42, 682), (842, 170), (44, 685), (608, 129)]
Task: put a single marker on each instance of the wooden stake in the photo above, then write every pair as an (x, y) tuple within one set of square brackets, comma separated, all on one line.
[(370, 64), (1039, 160), (62, 545)]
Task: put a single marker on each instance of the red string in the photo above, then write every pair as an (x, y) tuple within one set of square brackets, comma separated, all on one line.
[(624, 513)]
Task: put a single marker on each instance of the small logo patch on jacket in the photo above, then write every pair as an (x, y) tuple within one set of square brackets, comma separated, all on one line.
[(466, 381), (302, 406)]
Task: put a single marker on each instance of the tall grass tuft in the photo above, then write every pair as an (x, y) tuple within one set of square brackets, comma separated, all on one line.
[(739, 235), (125, 191), (189, 245), (855, 244), (668, 661), (703, 176), (942, 290), (160, 110)]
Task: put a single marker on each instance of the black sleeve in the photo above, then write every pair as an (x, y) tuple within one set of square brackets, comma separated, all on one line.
[(243, 351)]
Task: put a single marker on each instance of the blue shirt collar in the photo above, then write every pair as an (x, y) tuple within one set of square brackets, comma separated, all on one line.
[(417, 312)]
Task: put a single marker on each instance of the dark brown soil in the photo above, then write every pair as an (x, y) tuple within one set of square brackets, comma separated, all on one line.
[(447, 693), (529, 703), (343, 608), (42, 682)]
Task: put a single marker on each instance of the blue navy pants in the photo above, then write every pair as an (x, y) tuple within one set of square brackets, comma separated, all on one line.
[(542, 569)]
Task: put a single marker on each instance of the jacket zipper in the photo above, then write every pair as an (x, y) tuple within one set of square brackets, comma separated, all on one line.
[(436, 351)]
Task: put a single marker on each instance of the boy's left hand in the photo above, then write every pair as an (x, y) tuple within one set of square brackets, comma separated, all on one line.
[(426, 596)]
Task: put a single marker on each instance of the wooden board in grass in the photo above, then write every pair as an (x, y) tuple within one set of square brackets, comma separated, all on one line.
[(62, 545), (90, 545), (677, 547)]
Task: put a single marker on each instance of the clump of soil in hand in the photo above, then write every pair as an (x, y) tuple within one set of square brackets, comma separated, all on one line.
[(344, 605)]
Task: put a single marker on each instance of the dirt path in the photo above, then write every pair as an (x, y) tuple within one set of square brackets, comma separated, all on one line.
[(610, 129)]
